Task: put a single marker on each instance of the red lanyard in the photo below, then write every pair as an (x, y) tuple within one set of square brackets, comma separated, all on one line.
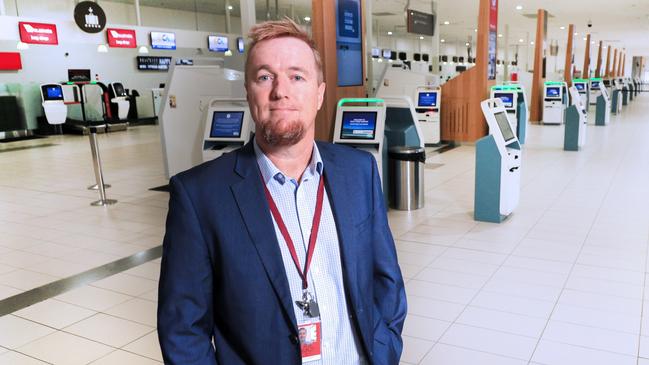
[(287, 237)]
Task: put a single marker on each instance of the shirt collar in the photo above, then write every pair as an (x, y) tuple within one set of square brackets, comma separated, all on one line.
[(269, 170)]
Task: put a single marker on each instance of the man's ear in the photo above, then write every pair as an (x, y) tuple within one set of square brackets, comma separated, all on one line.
[(321, 92)]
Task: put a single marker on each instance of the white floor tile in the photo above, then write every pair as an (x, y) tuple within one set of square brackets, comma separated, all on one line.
[(16, 331), (443, 354), (77, 350), (554, 353), (443, 292), (136, 310), (485, 340), (414, 349), (454, 278), (424, 328), (126, 284), (593, 338), (601, 302), (54, 313), (596, 318), (431, 308), (513, 304), (93, 298), (109, 330), (147, 346), (15, 358), (502, 321), (124, 358)]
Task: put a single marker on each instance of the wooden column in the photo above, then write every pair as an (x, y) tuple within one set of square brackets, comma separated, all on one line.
[(598, 69), (585, 74), (619, 65), (607, 71), (536, 107), (623, 65), (461, 117), (567, 69), (323, 20), (614, 70)]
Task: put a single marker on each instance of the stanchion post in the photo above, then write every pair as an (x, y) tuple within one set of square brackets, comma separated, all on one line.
[(99, 176)]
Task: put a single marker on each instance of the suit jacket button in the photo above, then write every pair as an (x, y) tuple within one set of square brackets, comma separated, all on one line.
[(294, 339)]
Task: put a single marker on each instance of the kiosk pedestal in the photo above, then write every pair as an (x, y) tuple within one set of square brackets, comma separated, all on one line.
[(574, 130)]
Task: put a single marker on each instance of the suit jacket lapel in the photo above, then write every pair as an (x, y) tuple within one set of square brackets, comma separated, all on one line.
[(255, 212), (338, 187)]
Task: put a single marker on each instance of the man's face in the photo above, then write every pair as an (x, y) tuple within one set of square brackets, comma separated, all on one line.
[(283, 90)]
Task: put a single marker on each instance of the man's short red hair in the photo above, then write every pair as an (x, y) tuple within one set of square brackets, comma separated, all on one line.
[(278, 29)]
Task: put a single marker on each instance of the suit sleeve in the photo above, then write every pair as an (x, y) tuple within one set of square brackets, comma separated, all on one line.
[(389, 292), (185, 308)]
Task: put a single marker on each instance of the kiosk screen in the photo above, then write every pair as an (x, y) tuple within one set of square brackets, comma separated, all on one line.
[(376, 52), (505, 127), (387, 53), (54, 93), (226, 124), (358, 125), (553, 92), (507, 98), (119, 89), (427, 99), (594, 85), (580, 86)]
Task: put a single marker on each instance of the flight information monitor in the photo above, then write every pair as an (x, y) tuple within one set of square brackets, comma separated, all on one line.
[(427, 99), (580, 86), (358, 125), (507, 98), (505, 127), (552, 92), (226, 124), (217, 43)]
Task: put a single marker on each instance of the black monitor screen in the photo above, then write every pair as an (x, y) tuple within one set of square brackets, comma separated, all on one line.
[(403, 56), (53, 92), (226, 124), (505, 127), (75, 75), (580, 86), (594, 85), (552, 92), (119, 89), (427, 99), (358, 125), (607, 83), (425, 57), (507, 98)]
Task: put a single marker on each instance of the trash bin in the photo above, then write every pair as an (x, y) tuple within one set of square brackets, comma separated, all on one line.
[(406, 177)]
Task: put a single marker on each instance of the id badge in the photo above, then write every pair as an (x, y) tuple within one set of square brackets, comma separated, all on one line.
[(310, 336)]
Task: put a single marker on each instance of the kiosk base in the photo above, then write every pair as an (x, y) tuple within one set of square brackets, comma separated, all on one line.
[(572, 130)]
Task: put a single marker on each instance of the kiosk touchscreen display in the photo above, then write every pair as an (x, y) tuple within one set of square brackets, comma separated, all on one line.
[(358, 125), (386, 53), (376, 52), (507, 98), (54, 93), (427, 99), (580, 86), (226, 124), (505, 127), (552, 92), (594, 85)]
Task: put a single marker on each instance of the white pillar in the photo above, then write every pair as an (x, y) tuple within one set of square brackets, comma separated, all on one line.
[(369, 36), (506, 65), (138, 15), (227, 16), (248, 16), (3, 10)]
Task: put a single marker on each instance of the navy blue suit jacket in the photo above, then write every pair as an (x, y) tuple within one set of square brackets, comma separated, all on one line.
[(223, 278)]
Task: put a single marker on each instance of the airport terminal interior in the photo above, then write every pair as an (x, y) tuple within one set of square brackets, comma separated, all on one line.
[(511, 137)]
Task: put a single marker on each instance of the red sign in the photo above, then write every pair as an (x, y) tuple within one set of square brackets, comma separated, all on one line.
[(10, 61), (121, 38), (38, 33)]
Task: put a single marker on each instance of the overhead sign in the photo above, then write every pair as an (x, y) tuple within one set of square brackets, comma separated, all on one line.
[(421, 23), (38, 33), (121, 38), (90, 17), (163, 40), (10, 61)]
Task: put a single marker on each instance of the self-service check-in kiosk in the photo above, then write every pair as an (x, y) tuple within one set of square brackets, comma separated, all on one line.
[(625, 91), (515, 102), (228, 126), (576, 122), (616, 96), (428, 112), (362, 127), (497, 168), (603, 107), (595, 89), (56, 112), (119, 102), (583, 87), (555, 102)]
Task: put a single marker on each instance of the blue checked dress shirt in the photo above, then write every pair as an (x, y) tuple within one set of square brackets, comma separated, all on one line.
[(296, 203)]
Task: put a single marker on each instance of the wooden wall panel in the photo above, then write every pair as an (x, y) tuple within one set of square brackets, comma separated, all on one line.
[(598, 69), (536, 107), (585, 74), (567, 70), (461, 117), (323, 20), (607, 71), (614, 70)]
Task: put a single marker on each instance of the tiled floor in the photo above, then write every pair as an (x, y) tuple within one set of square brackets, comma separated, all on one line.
[(562, 281)]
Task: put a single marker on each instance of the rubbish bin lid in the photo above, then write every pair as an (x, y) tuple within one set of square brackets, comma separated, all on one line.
[(407, 153)]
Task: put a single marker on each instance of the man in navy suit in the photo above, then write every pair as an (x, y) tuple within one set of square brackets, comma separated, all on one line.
[(280, 252)]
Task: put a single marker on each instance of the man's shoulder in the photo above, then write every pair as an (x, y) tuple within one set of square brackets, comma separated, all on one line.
[(343, 155), (211, 174)]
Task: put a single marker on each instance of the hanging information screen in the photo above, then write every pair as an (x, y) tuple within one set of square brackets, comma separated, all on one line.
[(349, 47), (493, 37), (421, 23)]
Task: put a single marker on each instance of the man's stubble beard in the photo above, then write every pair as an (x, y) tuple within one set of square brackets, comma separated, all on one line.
[(276, 136)]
